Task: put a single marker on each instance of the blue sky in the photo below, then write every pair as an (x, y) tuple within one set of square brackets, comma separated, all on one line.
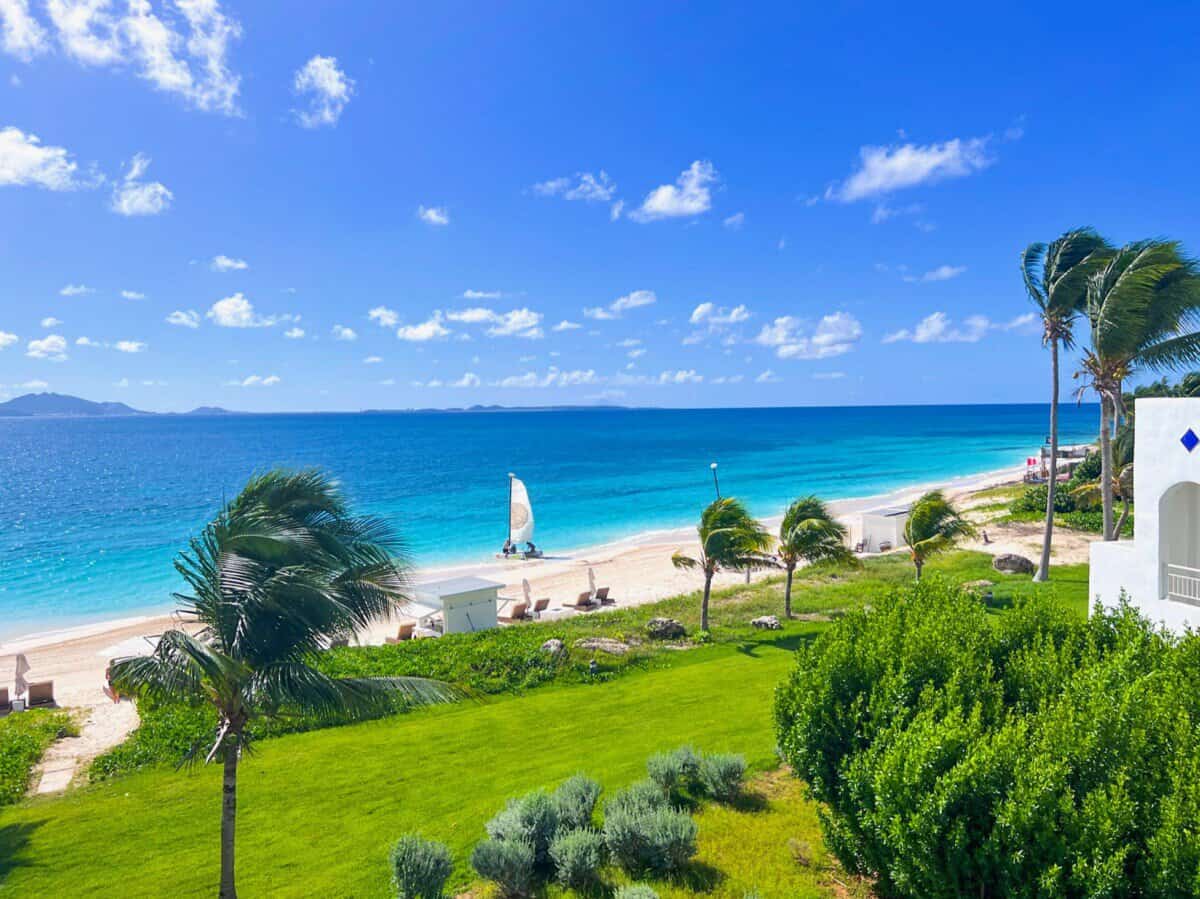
[(384, 205)]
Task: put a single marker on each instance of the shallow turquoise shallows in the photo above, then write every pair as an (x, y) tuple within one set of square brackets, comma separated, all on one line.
[(95, 510)]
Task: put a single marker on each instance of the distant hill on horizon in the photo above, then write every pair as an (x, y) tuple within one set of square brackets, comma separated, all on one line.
[(61, 405)]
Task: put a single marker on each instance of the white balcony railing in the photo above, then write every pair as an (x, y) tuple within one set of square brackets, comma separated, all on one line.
[(1183, 584)]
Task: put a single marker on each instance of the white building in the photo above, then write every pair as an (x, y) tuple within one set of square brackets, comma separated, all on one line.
[(1159, 570), (879, 530), (466, 604)]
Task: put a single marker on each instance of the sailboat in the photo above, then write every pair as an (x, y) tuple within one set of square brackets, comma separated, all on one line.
[(520, 523)]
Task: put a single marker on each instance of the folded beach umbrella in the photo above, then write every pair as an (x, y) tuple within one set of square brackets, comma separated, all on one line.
[(592, 581), (23, 668), (526, 589)]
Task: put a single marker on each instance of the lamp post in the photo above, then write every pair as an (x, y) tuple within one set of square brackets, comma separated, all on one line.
[(716, 484)]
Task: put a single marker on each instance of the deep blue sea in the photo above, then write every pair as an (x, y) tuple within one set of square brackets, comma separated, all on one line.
[(95, 510)]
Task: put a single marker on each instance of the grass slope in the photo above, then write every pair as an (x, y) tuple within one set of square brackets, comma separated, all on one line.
[(319, 811)]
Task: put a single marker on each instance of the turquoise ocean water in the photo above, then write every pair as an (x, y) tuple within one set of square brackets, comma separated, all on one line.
[(95, 510)]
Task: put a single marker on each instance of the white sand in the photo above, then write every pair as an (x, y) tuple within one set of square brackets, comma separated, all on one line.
[(637, 571)]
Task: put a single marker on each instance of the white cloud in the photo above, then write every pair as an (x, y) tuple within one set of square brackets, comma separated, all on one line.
[(883, 212), (223, 263), (129, 346), (384, 317), (552, 378), (50, 322), (122, 384), (636, 353), (828, 375), (132, 295), (76, 290), (941, 273), (132, 196), (52, 347), (255, 381), (614, 213), (26, 161), (87, 341), (690, 195), (735, 221), (293, 333), (238, 312), (614, 309), (341, 332), (7, 339), (514, 323), (469, 379), (434, 215), (327, 88), (718, 316), (565, 325), (834, 335), (682, 376), (372, 360), (184, 318), (586, 186), (482, 294), (21, 34), (885, 169), (938, 328), (729, 379), (433, 329), (767, 377)]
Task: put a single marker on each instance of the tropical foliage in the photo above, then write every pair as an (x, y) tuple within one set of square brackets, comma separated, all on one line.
[(23, 740), (730, 539), (809, 533), (282, 570), (933, 527), (1055, 277)]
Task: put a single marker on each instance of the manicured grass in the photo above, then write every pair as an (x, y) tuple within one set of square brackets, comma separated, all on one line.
[(319, 811), (24, 737)]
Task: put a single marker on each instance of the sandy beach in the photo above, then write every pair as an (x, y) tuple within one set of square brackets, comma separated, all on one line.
[(637, 571)]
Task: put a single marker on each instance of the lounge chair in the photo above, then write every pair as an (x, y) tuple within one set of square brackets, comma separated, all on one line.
[(540, 606), (583, 603), (602, 597), (519, 613), (5, 702), (40, 694), (885, 546), (403, 633)]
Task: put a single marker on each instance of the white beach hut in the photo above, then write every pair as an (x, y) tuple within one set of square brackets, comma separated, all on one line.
[(880, 527), (1159, 570), (467, 603)]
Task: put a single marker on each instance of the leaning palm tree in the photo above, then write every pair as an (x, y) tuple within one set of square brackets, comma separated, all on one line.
[(809, 533), (280, 571), (730, 538), (1055, 277), (1143, 305), (933, 526)]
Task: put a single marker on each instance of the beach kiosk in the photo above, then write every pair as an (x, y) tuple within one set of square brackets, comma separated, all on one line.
[(1159, 570), (466, 604), (880, 530)]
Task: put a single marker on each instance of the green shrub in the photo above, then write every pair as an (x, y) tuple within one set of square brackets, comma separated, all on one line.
[(649, 840), (1092, 521), (674, 771), (1087, 470), (575, 802), (635, 891), (640, 796), (24, 737), (1033, 499), (420, 868), (578, 856), (507, 863), (720, 776), (532, 819), (1041, 755)]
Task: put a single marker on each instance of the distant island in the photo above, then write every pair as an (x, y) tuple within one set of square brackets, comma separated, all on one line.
[(58, 405)]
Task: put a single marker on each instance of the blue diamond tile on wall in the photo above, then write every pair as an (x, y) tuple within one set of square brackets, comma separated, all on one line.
[(1189, 440)]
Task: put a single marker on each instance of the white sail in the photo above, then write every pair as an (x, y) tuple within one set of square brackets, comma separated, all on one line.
[(520, 514)]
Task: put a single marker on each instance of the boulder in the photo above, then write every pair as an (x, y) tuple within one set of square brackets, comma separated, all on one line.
[(665, 629), (555, 647), (980, 586), (766, 623), (1011, 563), (604, 644)]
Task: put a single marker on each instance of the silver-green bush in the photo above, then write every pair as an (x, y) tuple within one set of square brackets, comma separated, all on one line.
[(635, 891), (578, 856), (507, 863), (533, 818), (674, 771), (420, 868), (575, 801), (658, 840), (720, 776)]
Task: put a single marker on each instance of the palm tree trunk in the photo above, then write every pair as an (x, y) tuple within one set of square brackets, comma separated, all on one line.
[(787, 592), (1120, 525), (1106, 463), (704, 604), (229, 818), (918, 562), (1043, 572)]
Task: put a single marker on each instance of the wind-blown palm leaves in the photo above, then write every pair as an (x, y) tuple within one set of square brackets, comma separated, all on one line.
[(809, 533), (933, 526), (1055, 278), (1142, 310), (279, 572), (730, 538)]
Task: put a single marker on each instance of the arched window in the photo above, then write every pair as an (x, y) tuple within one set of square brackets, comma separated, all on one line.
[(1179, 543)]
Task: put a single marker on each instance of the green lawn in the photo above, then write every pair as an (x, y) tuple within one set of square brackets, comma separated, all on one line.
[(318, 811)]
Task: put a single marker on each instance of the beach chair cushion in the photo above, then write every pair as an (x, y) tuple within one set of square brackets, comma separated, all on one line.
[(41, 693), (518, 613), (5, 702)]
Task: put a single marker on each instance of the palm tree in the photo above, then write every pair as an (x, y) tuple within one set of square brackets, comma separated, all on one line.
[(933, 526), (809, 533), (1056, 280), (1142, 305), (730, 538), (281, 570)]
